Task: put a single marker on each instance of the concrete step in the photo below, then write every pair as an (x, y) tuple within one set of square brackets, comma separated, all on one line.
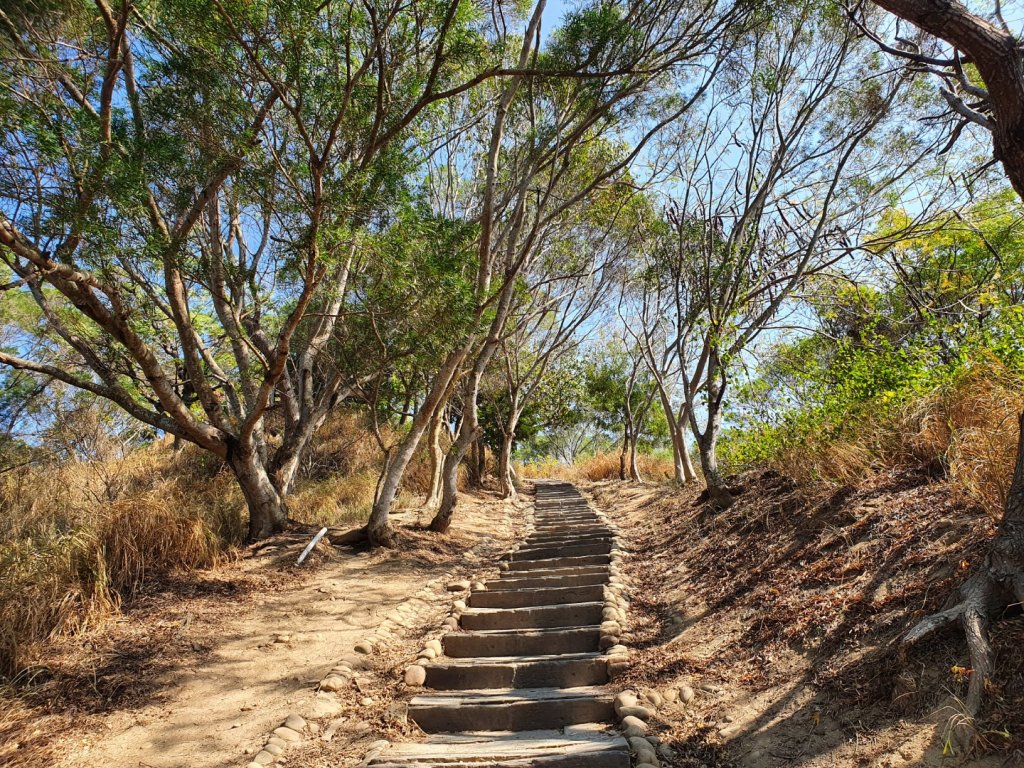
[(568, 578), (524, 598), (559, 671), (538, 573), (519, 642), (585, 536), (519, 709), (558, 562), (533, 617), (549, 550), (524, 749)]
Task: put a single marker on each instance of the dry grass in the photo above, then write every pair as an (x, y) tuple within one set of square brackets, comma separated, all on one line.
[(966, 430), (599, 466), (77, 538)]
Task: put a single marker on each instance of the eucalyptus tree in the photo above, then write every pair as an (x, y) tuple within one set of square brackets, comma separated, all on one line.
[(615, 69), (786, 175), (979, 61), (183, 189)]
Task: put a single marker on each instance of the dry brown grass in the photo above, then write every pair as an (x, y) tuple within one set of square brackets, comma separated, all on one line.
[(599, 466), (78, 537), (966, 430)]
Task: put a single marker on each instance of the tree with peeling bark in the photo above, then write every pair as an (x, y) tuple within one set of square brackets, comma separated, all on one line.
[(979, 62), (606, 72), (183, 196), (782, 179)]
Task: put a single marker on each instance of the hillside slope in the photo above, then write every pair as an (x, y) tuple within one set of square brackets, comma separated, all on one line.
[(782, 611)]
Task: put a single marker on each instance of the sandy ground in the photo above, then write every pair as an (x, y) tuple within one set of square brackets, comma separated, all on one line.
[(199, 676)]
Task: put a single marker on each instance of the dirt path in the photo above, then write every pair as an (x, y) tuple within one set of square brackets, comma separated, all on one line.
[(199, 674)]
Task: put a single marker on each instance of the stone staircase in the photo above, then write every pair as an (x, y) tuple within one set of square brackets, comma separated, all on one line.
[(522, 684)]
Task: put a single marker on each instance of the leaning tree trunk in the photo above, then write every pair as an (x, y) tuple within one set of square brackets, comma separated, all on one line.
[(997, 583), (378, 527), (477, 464), (267, 511)]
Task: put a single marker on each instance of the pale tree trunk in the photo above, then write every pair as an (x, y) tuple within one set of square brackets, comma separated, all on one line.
[(436, 460), (450, 476), (505, 474), (267, 511)]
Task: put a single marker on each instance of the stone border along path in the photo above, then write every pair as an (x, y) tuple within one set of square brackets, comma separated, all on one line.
[(521, 680)]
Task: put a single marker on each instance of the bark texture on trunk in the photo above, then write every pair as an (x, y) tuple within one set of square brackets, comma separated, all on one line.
[(267, 511), (634, 469), (436, 461), (450, 478), (718, 492), (506, 484)]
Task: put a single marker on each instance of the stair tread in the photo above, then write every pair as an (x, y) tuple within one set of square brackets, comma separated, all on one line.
[(531, 659), (500, 744), (528, 609), (504, 697)]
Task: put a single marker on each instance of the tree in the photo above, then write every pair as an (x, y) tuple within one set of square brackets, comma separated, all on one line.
[(996, 104), (782, 179), (595, 80), (183, 201)]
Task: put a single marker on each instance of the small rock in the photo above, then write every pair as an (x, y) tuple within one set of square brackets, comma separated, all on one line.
[(667, 752), (624, 700), (710, 688), (607, 641), (273, 749), (459, 605), (671, 695), (435, 646), (333, 683), (277, 742), (654, 697), (634, 726), (451, 623), (285, 638), (263, 758), (380, 744), (427, 653), (638, 743), (617, 668), (287, 734), (295, 722), (686, 693), (366, 701), (364, 647), (642, 712), (415, 675), (458, 586), (479, 586)]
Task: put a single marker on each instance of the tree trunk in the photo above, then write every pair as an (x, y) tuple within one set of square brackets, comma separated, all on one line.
[(450, 485), (436, 460), (505, 484), (718, 493), (623, 453), (267, 511), (477, 464), (634, 470), (996, 584), (378, 527)]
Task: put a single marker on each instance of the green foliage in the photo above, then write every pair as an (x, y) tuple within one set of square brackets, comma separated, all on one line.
[(955, 304)]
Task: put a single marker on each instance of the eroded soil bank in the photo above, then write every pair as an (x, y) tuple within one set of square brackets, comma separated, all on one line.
[(781, 614)]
